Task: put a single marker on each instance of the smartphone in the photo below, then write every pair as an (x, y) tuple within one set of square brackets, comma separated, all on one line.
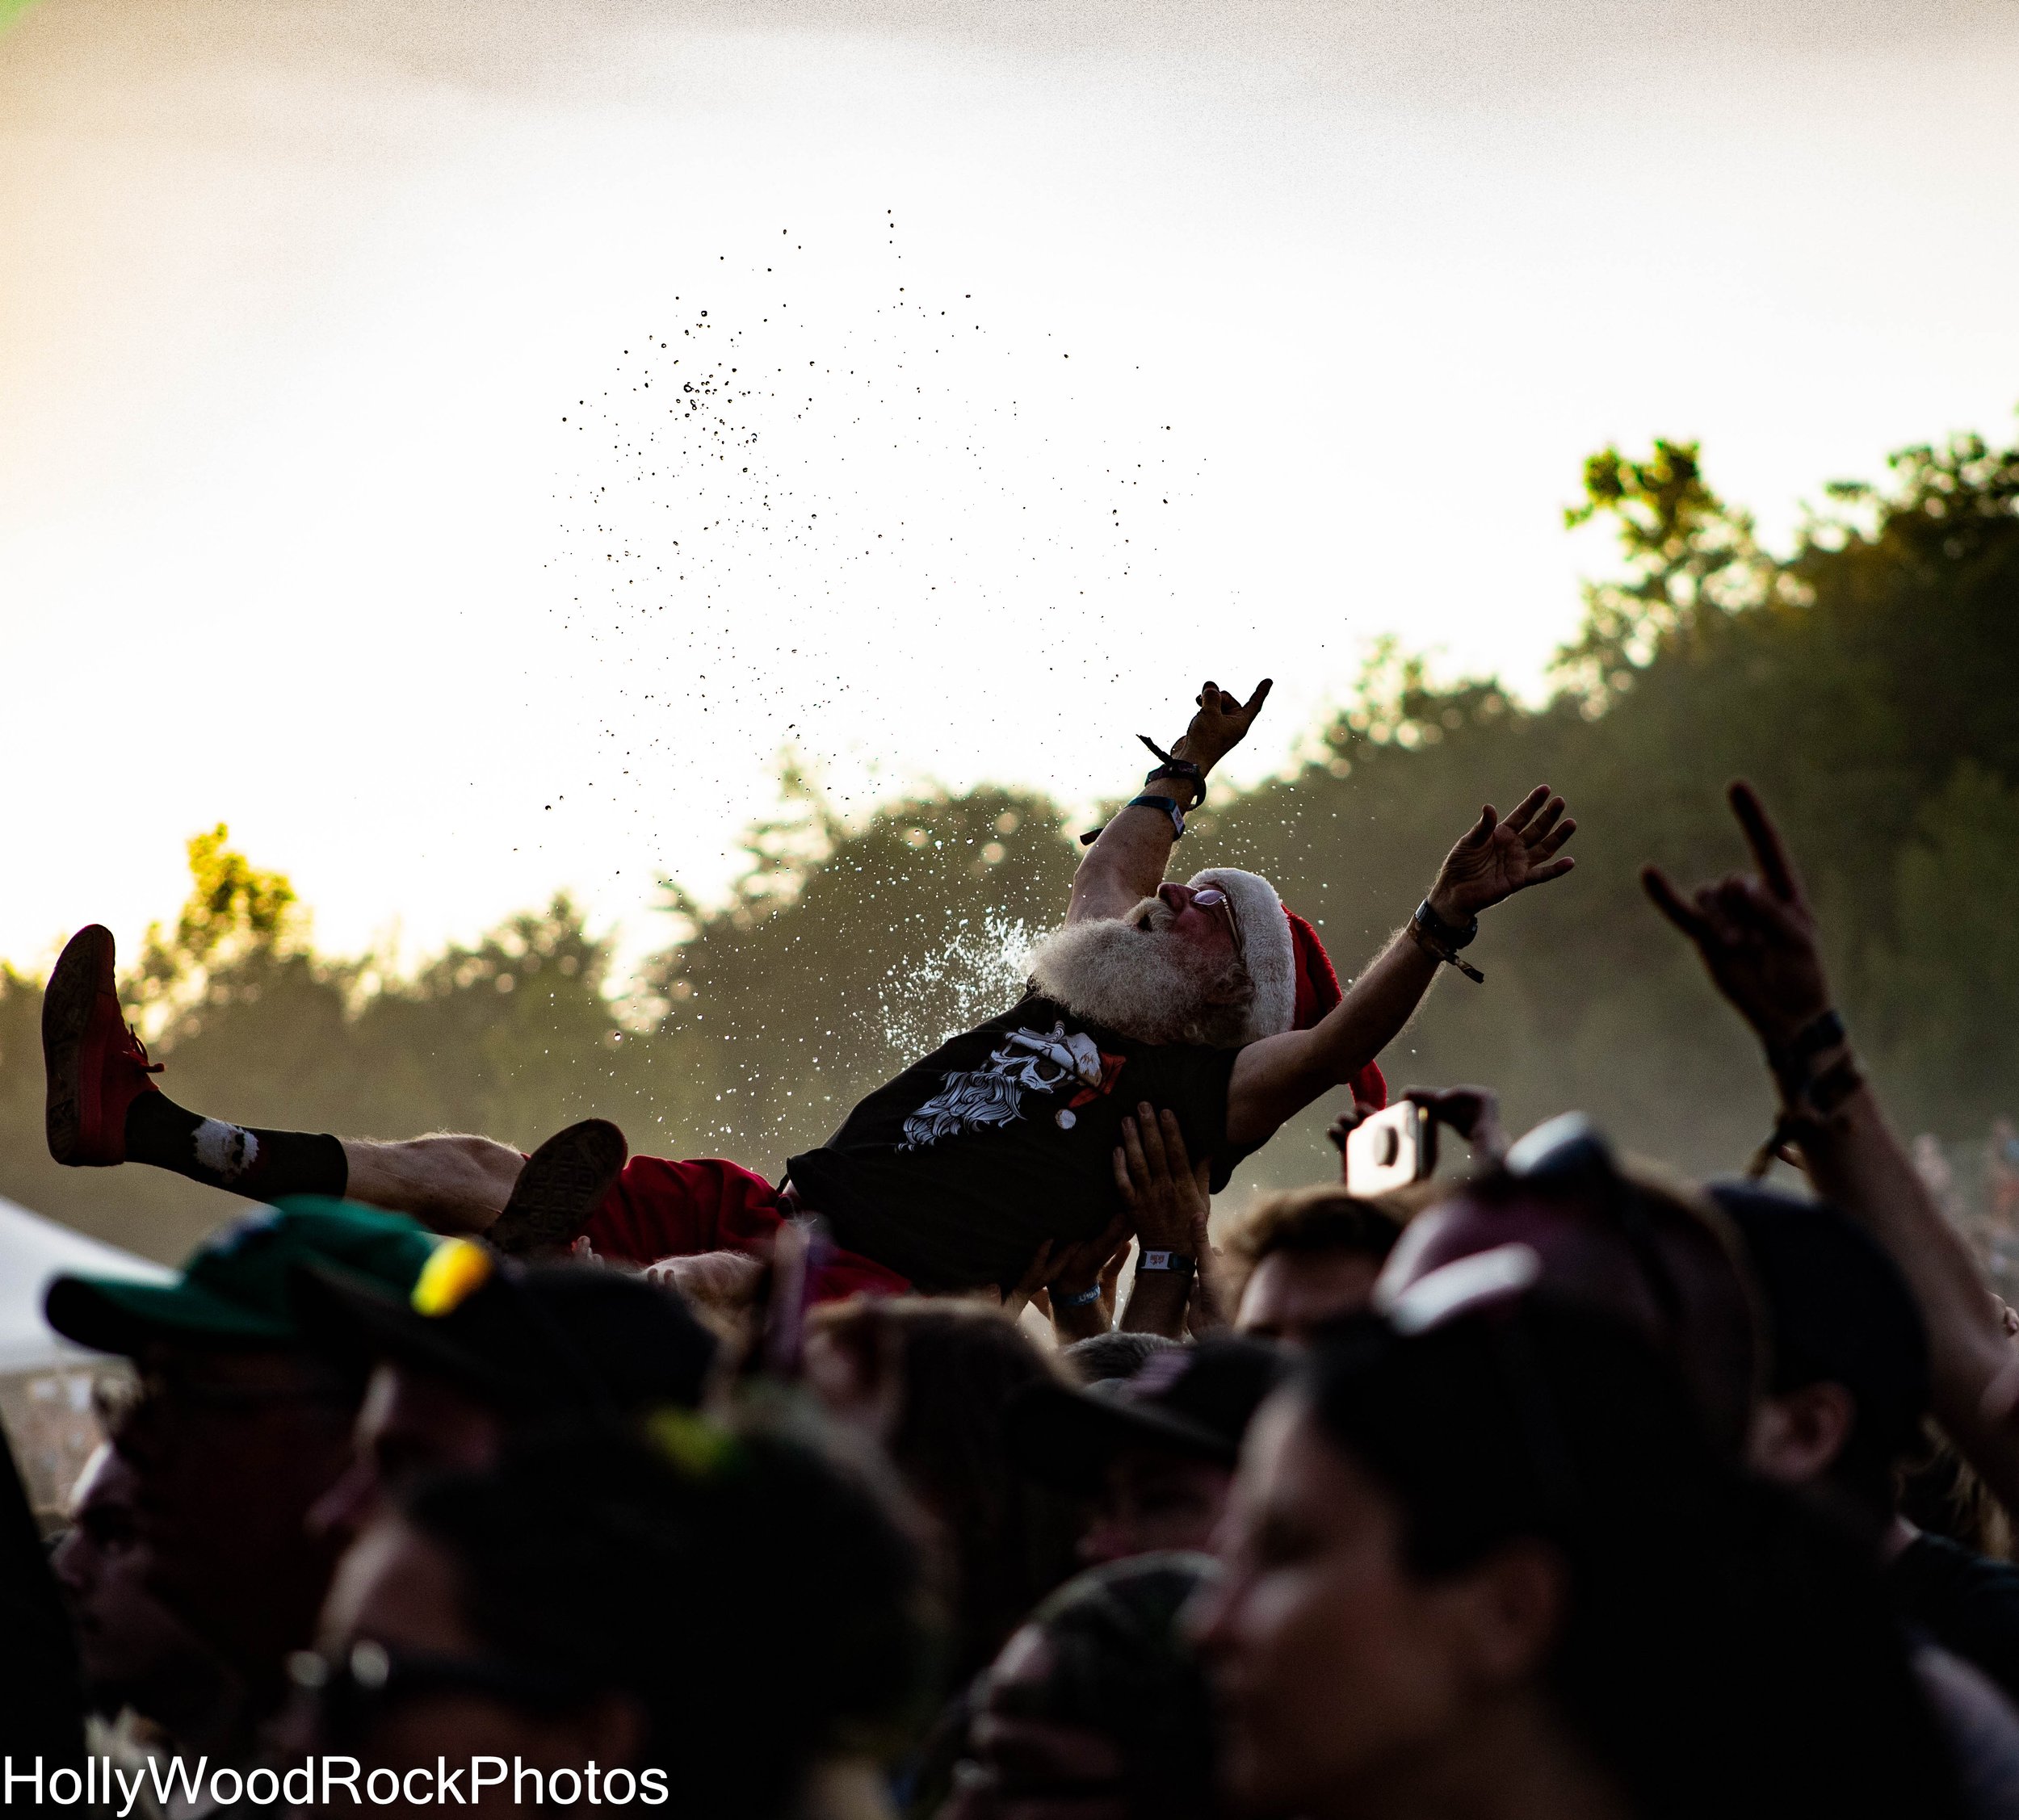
[(1390, 1149)]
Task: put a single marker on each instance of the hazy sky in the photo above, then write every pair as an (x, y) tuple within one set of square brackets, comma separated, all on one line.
[(348, 495)]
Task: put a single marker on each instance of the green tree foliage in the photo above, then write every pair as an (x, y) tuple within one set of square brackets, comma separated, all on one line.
[(1867, 682), (845, 953)]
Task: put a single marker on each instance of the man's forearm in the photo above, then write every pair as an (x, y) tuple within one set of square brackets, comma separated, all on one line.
[(1157, 1303), (1857, 1163), (1277, 1078), (1085, 1321), (1378, 1007), (1127, 863)]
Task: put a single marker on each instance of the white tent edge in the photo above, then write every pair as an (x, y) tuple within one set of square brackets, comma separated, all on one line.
[(33, 1249)]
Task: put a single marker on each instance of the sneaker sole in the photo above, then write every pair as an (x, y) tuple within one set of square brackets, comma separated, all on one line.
[(559, 1188), (67, 1002)]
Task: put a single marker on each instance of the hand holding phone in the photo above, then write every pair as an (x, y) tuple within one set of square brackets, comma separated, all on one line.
[(1390, 1149)]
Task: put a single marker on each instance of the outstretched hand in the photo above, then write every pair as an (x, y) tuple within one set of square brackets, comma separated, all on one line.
[(1167, 1195), (1497, 857), (1221, 723), (1756, 932)]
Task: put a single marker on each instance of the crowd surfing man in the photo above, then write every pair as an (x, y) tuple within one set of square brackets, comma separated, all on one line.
[(1209, 998)]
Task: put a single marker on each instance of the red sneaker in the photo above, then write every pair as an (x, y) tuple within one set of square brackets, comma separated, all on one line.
[(97, 1066)]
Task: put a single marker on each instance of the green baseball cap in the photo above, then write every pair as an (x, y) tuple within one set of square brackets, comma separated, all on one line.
[(235, 1286)]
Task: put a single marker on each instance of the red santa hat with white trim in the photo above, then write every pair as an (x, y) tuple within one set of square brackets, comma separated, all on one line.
[(1294, 984)]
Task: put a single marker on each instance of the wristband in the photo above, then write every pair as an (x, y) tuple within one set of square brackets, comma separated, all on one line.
[(1809, 1105), (1186, 771), (1166, 1261), (1164, 804), (1794, 1063), (1432, 923), (1440, 951), (1821, 1032), (1080, 1299)]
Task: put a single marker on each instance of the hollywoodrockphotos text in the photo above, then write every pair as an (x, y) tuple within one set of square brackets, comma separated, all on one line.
[(101, 1780)]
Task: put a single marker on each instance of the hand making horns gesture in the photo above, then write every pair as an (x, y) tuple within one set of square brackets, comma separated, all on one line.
[(1755, 934), (1221, 723)]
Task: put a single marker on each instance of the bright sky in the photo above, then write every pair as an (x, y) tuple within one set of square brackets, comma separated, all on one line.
[(348, 495)]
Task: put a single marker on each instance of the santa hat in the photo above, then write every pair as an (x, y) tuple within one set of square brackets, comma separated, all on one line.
[(1294, 981)]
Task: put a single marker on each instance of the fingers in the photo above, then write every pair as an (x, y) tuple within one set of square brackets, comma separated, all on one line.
[(1124, 1175), (1149, 1134), (1538, 826), (1217, 700), (1669, 902), (1728, 908), (1142, 1178), (1548, 830), (1459, 1107), (1763, 838), (1178, 1159), (1525, 811), (1202, 1180), (1555, 868), (1482, 831), (1542, 849)]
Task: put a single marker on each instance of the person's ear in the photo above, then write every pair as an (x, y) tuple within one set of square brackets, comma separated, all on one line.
[(1512, 1611), (1796, 1436)]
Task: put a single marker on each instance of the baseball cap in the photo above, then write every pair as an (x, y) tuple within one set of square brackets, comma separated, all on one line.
[(533, 1338), (234, 1287), (1191, 1400), (1654, 1253)]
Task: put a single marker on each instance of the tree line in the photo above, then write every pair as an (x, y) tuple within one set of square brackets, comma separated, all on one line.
[(1868, 681)]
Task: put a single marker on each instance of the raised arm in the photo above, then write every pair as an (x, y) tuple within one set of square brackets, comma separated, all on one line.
[(1127, 863), (1281, 1075), (1757, 936)]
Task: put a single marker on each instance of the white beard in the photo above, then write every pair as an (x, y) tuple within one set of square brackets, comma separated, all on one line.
[(1143, 984)]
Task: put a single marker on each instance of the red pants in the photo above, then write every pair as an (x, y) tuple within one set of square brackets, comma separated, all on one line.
[(658, 1208)]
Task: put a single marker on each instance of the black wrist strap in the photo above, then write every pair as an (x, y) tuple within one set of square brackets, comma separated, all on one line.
[(1169, 767), (1185, 773), (1793, 1062), (1163, 804), (1440, 949), (1461, 937), (1808, 1101), (1825, 1031)]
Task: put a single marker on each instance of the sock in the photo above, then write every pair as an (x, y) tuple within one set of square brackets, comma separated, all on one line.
[(262, 1165)]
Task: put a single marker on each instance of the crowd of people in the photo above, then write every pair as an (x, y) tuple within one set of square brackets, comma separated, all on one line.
[(970, 1470)]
